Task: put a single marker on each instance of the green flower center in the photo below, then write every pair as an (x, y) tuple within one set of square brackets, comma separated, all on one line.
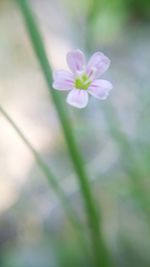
[(82, 82)]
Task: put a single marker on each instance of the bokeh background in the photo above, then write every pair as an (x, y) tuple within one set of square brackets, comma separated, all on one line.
[(113, 135)]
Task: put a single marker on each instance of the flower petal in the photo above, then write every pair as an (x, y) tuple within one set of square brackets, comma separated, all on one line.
[(78, 98), (63, 80), (98, 63), (100, 89), (76, 60)]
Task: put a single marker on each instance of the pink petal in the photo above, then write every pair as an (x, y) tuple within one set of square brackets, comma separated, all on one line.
[(77, 98), (76, 60), (63, 80), (98, 63), (100, 89)]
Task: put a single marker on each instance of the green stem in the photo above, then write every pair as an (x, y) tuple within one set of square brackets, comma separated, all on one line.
[(99, 249)]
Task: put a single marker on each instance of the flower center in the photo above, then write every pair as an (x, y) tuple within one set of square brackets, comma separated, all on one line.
[(82, 82)]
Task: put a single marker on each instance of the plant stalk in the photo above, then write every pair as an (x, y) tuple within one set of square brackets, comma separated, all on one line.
[(98, 245)]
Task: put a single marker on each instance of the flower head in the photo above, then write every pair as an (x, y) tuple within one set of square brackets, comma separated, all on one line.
[(83, 78)]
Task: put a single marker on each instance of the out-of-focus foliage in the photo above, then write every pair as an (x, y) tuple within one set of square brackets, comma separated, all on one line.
[(107, 18), (140, 9)]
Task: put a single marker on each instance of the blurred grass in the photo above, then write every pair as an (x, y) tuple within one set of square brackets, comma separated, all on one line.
[(132, 164), (45, 170)]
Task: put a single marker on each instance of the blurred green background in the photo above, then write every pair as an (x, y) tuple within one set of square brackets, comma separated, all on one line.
[(113, 135)]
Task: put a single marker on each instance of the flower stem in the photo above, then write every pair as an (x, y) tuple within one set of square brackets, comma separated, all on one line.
[(99, 249)]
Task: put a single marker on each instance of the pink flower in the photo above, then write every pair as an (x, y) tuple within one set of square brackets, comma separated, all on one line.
[(82, 80)]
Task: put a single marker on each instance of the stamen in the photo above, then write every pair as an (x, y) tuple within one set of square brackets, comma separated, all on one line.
[(82, 82)]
